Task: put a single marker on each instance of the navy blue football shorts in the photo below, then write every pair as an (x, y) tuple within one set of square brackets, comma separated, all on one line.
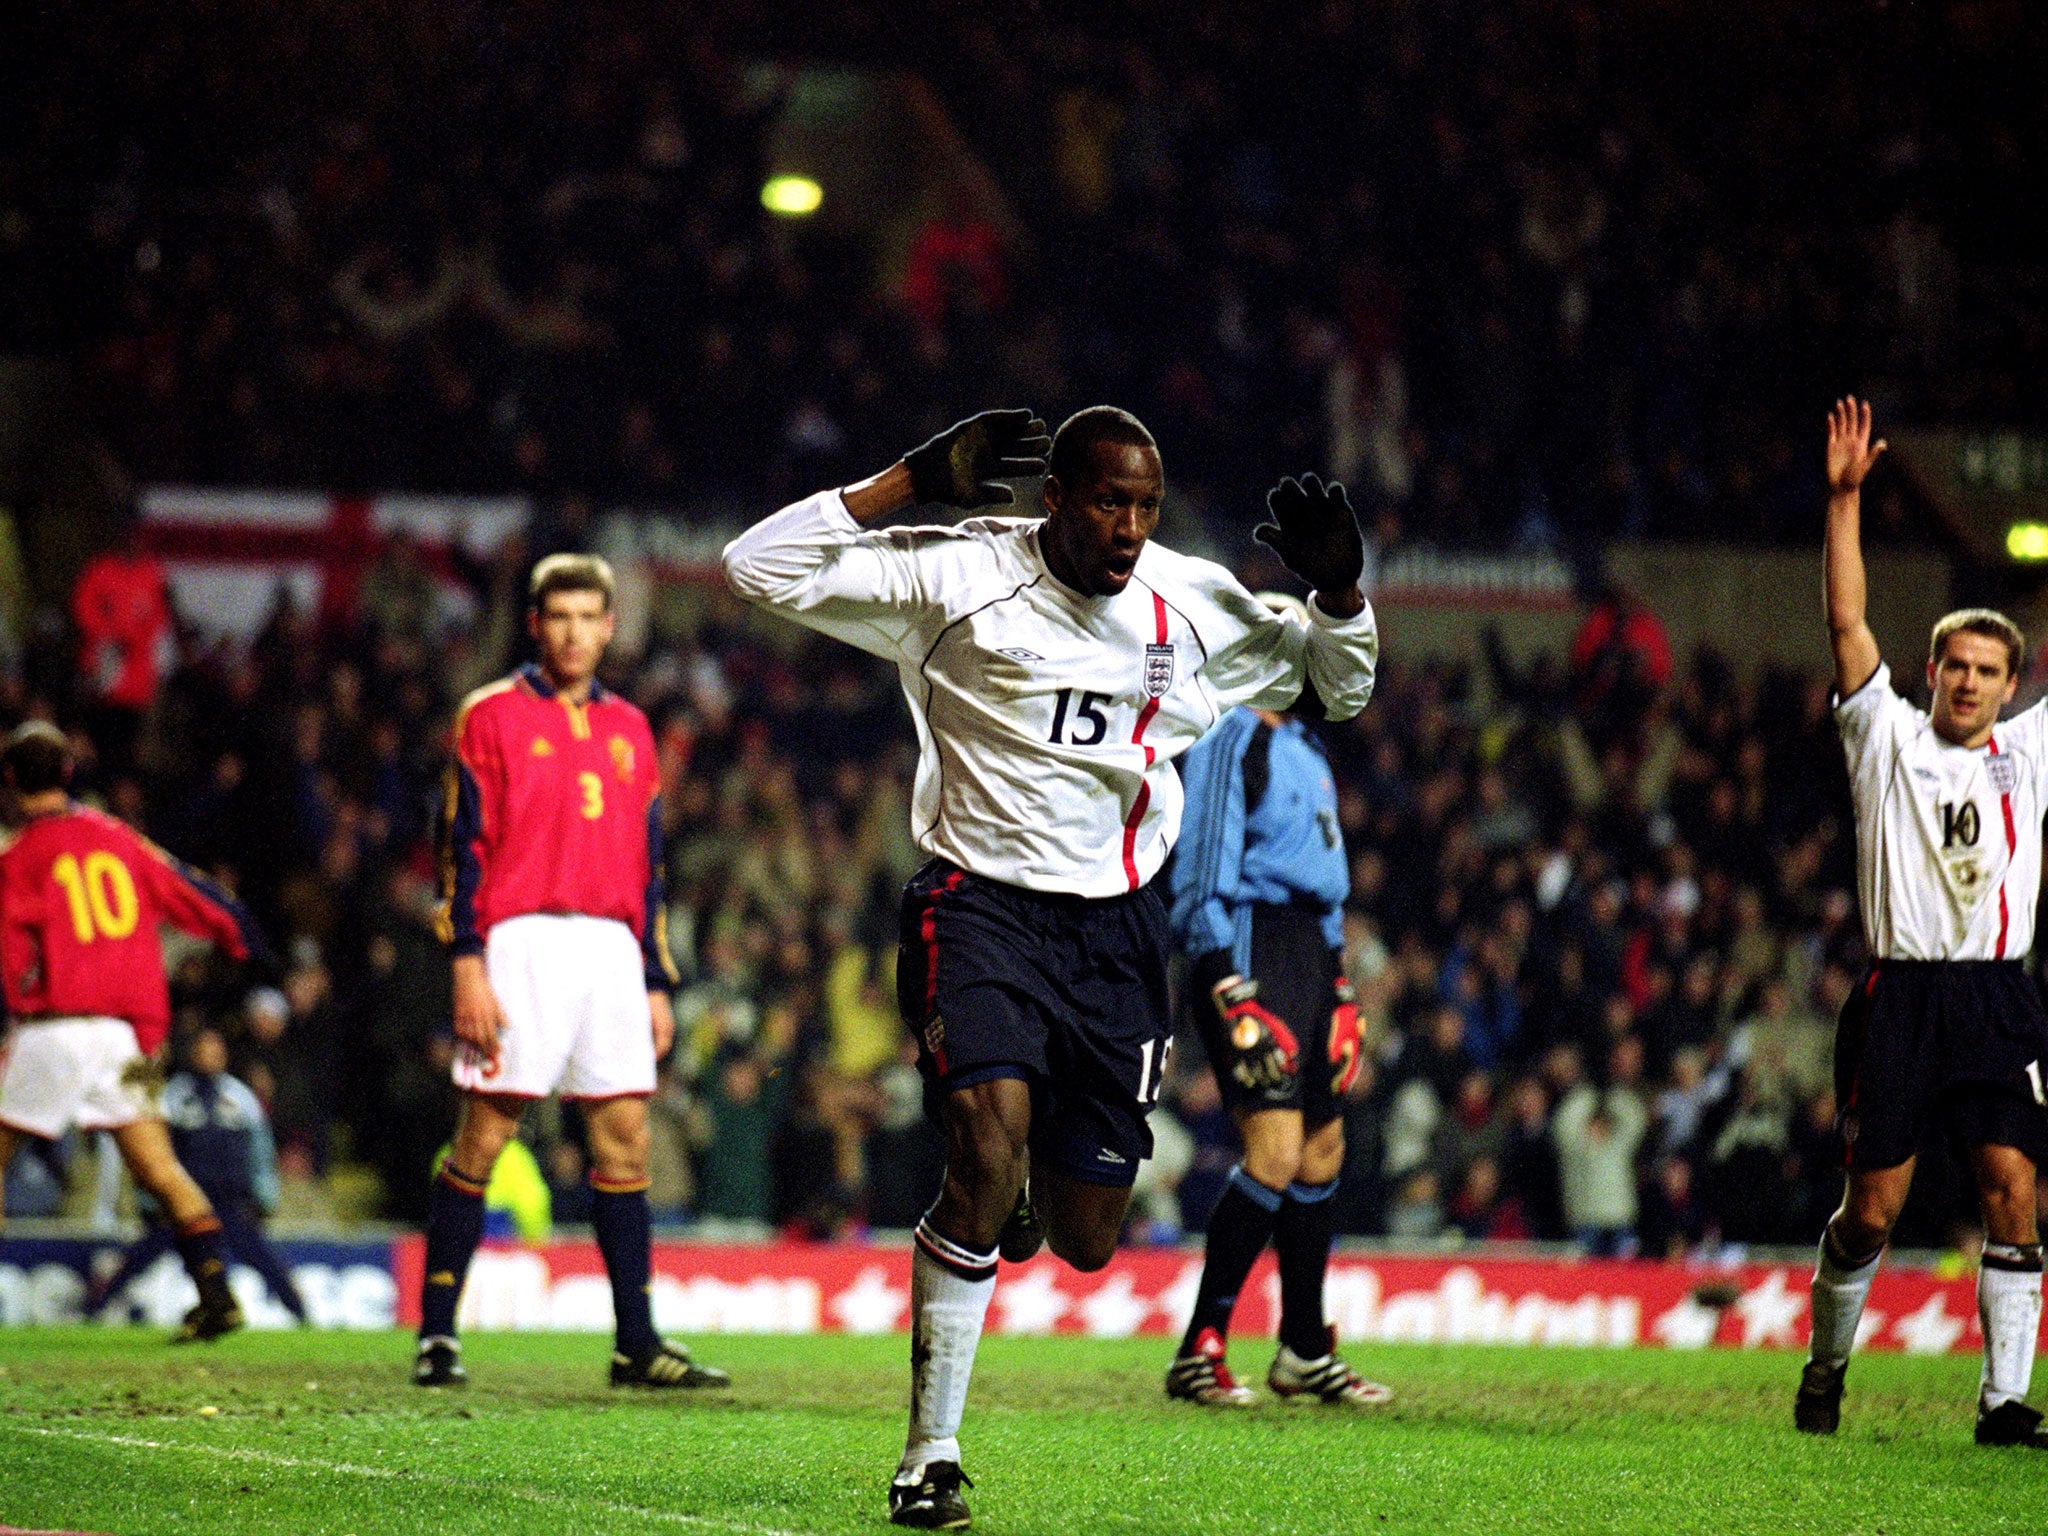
[(1952, 1045), (1066, 993)]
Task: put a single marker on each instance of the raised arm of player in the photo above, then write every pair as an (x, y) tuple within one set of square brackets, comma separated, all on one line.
[(206, 910), (1850, 456), (814, 561)]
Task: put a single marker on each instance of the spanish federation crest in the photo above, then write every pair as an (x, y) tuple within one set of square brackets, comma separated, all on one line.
[(1158, 670), (622, 756)]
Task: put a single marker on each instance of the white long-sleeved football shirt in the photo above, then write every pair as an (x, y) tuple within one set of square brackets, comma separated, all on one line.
[(1948, 838), (1046, 720)]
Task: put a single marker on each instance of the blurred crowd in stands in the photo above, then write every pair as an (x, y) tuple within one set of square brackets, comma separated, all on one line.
[(1520, 270), (1601, 922), (1531, 271)]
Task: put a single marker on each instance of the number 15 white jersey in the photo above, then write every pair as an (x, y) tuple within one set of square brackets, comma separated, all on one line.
[(1046, 720), (1948, 838)]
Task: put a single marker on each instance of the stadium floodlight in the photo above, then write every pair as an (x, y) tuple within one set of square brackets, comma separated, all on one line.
[(2027, 541), (793, 197)]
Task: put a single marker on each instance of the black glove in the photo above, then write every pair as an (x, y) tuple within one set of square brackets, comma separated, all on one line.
[(965, 465), (1314, 533)]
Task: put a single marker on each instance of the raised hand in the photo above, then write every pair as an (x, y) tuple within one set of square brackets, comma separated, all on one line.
[(1850, 450), (966, 465), (1314, 533)]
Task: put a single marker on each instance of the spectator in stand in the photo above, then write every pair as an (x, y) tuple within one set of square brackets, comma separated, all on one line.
[(122, 609), (1596, 1132)]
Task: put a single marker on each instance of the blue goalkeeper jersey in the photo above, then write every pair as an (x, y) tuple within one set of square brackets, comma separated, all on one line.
[(1260, 828)]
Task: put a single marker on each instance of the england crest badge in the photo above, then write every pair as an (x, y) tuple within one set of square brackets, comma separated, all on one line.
[(2003, 774), (1158, 670)]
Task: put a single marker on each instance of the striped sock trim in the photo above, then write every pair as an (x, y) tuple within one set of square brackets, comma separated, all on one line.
[(606, 1186), (949, 1255), (1265, 1199), (199, 1226), (1311, 1194), (462, 1183), (2017, 1258)]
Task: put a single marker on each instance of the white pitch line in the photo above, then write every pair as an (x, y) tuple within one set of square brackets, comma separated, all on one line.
[(350, 1469)]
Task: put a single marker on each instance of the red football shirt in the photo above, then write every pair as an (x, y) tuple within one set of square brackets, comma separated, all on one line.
[(81, 898), (552, 806)]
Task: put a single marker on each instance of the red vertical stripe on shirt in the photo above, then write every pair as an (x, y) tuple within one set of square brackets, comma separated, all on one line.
[(1138, 739), (2011, 845)]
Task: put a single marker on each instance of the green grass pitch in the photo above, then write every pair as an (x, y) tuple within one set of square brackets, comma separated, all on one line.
[(104, 1430)]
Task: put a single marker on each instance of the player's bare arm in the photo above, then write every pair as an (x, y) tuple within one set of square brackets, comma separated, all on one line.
[(1851, 455), (964, 466)]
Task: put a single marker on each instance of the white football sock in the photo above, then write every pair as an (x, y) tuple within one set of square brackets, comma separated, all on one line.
[(2009, 1307), (1839, 1292), (949, 1292)]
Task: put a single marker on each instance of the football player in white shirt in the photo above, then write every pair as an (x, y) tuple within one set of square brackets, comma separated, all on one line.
[(1054, 666), (1946, 1029)]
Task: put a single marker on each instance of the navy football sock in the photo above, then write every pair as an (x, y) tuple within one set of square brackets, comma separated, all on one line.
[(455, 1224), (618, 1212), (1301, 1238), (198, 1243), (1238, 1229)]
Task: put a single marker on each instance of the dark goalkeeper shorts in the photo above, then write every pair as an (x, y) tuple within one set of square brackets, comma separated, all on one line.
[(1298, 976), (1066, 993), (1958, 1044)]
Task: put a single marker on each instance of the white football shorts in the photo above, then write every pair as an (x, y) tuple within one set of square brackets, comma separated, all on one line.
[(573, 992), (87, 1072)]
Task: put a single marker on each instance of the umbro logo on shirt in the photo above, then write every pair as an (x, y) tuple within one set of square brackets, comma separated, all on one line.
[(1018, 653)]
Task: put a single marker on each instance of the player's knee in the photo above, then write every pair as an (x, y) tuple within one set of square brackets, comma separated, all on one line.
[(1084, 1250), (1322, 1154), (1864, 1224), (1275, 1165)]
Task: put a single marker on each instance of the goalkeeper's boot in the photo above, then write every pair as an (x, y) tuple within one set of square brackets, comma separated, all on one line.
[(1817, 1410), (666, 1365), (2011, 1423), (1326, 1378), (1202, 1377), (929, 1498), (439, 1364), (1023, 1233)]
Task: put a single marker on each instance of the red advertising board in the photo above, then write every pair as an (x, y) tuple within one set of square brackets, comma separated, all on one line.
[(833, 1288)]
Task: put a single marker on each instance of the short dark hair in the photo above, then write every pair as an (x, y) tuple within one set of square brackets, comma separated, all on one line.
[(570, 573), (1988, 622), (1073, 446), (36, 758)]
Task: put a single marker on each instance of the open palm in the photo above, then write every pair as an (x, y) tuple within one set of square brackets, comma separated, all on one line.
[(1850, 450)]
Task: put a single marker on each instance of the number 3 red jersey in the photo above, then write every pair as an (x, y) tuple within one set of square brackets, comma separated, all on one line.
[(81, 898), (552, 806)]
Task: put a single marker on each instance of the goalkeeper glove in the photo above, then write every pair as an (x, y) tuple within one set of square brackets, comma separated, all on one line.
[(1264, 1053)]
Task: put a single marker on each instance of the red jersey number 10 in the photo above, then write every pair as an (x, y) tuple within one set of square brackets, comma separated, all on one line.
[(101, 894)]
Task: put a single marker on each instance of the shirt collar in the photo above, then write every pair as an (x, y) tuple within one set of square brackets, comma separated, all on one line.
[(537, 680)]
